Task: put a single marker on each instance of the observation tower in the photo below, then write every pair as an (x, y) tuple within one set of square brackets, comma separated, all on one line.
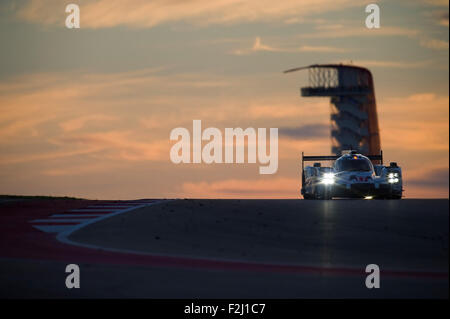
[(354, 120)]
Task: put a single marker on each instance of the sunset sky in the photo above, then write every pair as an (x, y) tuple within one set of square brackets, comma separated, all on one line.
[(88, 112)]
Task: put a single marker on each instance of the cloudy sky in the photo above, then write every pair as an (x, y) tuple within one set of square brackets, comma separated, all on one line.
[(88, 112)]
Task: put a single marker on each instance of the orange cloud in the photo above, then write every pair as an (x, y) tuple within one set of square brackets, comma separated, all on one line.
[(393, 64), (417, 122), (430, 182), (80, 122), (435, 44), (259, 46), (349, 31), (121, 145), (279, 110), (146, 14)]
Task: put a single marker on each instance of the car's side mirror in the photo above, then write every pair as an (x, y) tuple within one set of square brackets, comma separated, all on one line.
[(393, 164)]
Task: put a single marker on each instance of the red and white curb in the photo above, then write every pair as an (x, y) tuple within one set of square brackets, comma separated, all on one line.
[(77, 218)]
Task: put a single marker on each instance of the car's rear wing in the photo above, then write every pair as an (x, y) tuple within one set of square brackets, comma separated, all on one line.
[(335, 157), (322, 158)]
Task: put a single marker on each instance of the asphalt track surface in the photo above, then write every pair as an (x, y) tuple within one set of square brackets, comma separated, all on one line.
[(224, 248)]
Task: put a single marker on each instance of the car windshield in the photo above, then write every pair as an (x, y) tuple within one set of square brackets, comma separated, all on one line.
[(349, 164)]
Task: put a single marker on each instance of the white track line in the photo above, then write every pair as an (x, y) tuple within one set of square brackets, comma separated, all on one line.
[(60, 220), (77, 215), (64, 235), (106, 206), (92, 210), (53, 228), (90, 215)]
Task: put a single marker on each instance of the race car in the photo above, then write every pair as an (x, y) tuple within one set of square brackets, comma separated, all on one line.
[(352, 175)]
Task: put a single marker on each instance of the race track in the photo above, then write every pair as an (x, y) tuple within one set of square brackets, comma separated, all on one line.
[(225, 248)]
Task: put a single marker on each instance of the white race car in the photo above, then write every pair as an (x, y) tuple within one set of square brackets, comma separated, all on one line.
[(351, 175)]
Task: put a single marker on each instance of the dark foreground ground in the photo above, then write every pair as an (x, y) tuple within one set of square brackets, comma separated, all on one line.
[(247, 249)]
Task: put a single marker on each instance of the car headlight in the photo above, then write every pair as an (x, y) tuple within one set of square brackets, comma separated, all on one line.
[(393, 178), (328, 178)]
